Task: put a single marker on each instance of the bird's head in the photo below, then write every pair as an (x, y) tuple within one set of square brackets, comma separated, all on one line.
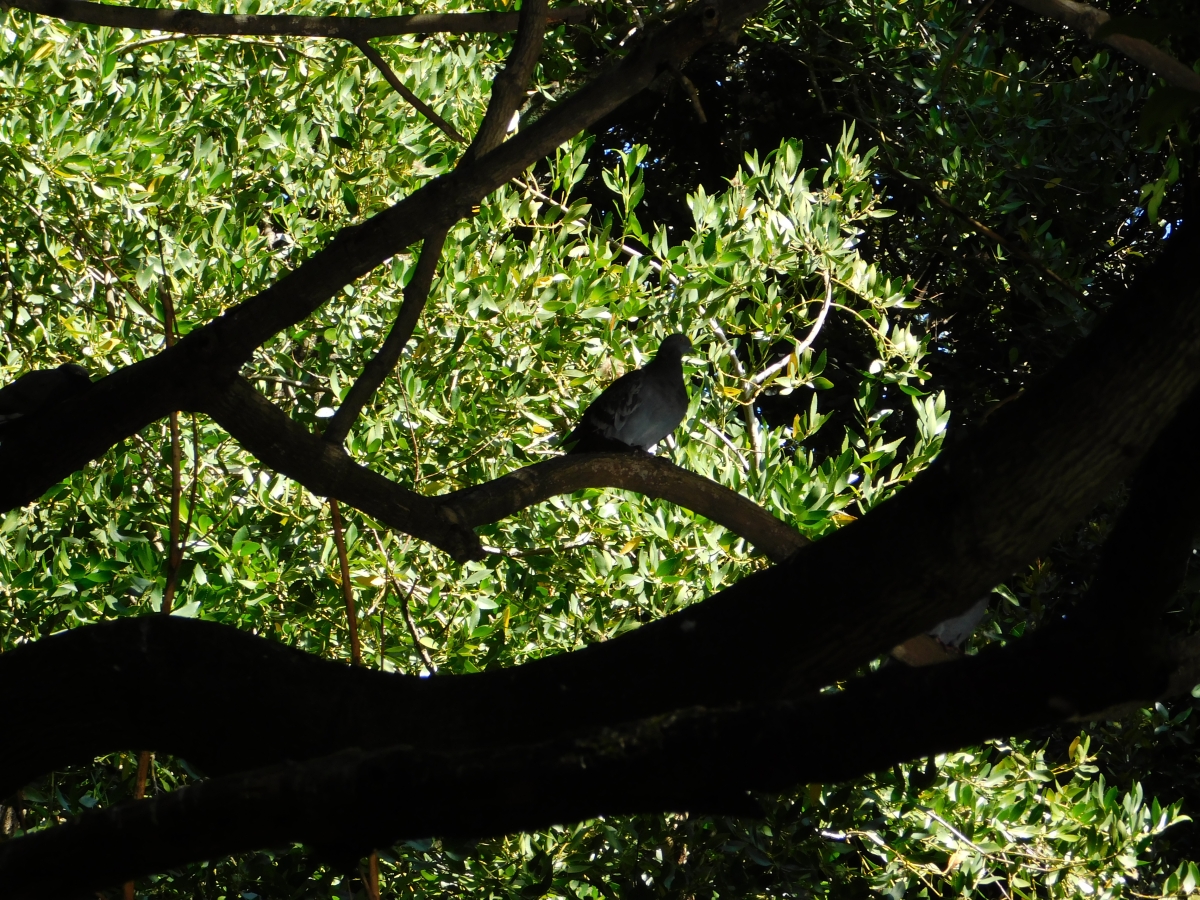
[(675, 346)]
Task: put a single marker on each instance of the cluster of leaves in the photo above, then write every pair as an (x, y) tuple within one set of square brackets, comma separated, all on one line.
[(133, 169)]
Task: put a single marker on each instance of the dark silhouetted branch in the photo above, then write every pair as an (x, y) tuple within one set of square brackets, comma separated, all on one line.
[(416, 292), (287, 447), (325, 469), (697, 759), (994, 500), (400, 88), (642, 473), (353, 28), (692, 758), (339, 540)]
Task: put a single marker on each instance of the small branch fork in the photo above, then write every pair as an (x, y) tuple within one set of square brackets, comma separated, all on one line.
[(351, 28)]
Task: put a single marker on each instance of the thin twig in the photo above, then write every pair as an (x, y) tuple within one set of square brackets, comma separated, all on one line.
[(693, 94), (1089, 19), (291, 382), (139, 791), (812, 77), (412, 435), (412, 626), (631, 252), (724, 439), (747, 405), (400, 88), (517, 553), (804, 344), (961, 43), (987, 232), (175, 551), (339, 539), (1008, 245)]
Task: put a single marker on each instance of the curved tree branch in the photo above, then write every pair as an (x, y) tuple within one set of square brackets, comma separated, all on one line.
[(1088, 19), (694, 759), (325, 469), (994, 500), (649, 475), (446, 521), (353, 28)]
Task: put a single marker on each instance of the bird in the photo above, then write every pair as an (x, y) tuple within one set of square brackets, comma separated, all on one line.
[(945, 640), (953, 632), (39, 390), (640, 408)]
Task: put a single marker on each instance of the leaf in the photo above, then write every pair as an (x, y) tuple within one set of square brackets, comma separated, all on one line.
[(350, 200)]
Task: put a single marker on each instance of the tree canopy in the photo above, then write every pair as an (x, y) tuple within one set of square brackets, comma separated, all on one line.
[(300, 596)]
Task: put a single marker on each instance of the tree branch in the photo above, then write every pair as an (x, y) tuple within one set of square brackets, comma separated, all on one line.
[(696, 759), (654, 477), (508, 90), (1088, 19), (416, 292), (352, 28), (325, 469), (446, 521), (994, 500), (402, 89)]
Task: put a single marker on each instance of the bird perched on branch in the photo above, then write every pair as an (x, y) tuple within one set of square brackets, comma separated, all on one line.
[(42, 389), (638, 409)]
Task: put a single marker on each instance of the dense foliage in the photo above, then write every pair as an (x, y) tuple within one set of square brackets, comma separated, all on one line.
[(815, 209)]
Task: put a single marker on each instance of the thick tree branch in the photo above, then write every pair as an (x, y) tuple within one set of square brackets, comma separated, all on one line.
[(324, 468), (695, 759), (353, 28), (1088, 19), (416, 292), (201, 363), (642, 473), (995, 499), (691, 759)]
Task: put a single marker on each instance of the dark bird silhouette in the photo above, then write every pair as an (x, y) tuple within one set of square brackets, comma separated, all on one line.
[(638, 409), (39, 390)]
